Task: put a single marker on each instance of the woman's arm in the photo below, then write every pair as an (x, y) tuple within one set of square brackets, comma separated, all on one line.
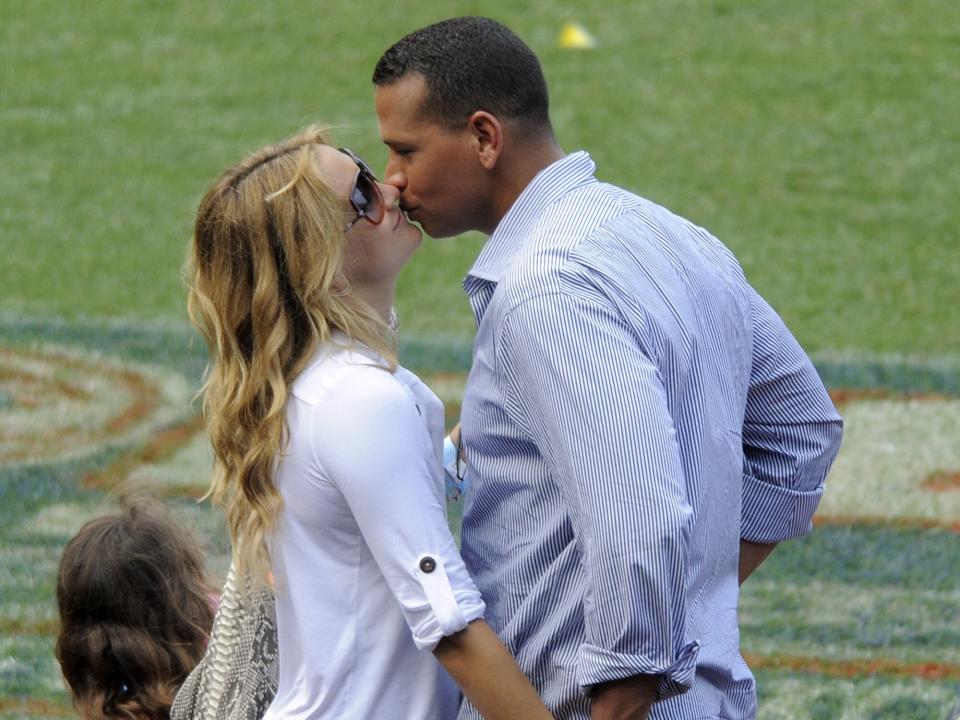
[(488, 675)]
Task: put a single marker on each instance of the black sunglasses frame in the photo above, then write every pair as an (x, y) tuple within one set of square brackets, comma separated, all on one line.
[(365, 194)]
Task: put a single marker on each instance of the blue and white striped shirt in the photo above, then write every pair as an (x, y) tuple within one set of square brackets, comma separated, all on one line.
[(634, 409)]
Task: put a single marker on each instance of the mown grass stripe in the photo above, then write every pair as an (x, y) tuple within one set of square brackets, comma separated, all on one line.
[(22, 626), (939, 482), (876, 555), (869, 521), (930, 671), (35, 707)]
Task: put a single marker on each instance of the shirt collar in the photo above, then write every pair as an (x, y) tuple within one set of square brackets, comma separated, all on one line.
[(548, 186)]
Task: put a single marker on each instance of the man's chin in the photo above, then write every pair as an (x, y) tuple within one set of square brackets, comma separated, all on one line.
[(412, 217), (436, 232), (432, 228), (427, 229)]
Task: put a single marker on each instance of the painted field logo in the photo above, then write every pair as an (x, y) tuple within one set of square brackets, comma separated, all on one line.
[(859, 620), (899, 463), (57, 403)]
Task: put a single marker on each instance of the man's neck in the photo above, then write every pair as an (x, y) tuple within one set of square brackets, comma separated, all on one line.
[(517, 170)]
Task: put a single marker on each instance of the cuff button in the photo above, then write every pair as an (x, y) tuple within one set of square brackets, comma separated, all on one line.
[(428, 564)]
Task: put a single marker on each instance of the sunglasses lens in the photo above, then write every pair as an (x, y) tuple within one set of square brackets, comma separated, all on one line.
[(366, 198)]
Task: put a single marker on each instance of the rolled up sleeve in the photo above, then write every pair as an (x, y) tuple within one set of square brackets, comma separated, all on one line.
[(791, 434), (386, 469)]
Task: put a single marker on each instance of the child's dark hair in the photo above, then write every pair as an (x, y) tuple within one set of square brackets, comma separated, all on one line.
[(135, 611)]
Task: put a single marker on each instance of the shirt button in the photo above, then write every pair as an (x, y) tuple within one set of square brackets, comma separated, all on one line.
[(428, 564)]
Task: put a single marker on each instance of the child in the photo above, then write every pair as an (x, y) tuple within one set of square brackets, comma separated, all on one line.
[(135, 611)]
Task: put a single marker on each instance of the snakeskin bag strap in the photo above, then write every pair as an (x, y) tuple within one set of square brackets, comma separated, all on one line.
[(237, 678)]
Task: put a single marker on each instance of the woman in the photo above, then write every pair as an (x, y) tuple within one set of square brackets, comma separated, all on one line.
[(327, 453)]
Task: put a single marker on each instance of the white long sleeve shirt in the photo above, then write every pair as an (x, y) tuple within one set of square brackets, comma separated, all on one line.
[(368, 576)]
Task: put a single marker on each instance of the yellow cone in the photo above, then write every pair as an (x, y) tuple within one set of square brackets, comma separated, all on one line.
[(575, 36)]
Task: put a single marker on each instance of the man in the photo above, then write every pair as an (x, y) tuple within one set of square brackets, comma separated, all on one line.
[(641, 427)]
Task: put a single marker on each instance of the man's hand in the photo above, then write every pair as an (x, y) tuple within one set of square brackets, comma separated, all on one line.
[(751, 556), (627, 699)]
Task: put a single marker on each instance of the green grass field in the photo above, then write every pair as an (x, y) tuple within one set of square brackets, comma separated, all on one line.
[(817, 140)]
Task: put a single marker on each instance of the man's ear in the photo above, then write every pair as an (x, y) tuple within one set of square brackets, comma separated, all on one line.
[(487, 133)]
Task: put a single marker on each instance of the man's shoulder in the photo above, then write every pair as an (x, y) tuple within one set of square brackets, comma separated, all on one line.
[(583, 209), (551, 260)]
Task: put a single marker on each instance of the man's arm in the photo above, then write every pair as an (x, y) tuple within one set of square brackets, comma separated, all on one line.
[(594, 404), (791, 435), (488, 675)]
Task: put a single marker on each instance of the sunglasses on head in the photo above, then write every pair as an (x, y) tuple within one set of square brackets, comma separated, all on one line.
[(365, 196)]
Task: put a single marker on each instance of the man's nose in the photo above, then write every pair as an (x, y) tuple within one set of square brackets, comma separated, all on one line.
[(394, 175)]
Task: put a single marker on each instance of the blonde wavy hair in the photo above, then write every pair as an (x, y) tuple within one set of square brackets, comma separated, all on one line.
[(266, 289)]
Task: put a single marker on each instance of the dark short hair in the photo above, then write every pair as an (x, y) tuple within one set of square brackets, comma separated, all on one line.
[(470, 64)]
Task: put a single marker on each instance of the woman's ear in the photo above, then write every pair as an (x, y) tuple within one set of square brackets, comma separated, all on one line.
[(488, 135)]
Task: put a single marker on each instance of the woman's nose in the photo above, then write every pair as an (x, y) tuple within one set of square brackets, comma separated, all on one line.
[(391, 195)]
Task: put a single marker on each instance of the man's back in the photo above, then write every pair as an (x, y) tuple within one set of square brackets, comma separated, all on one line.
[(611, 424)]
